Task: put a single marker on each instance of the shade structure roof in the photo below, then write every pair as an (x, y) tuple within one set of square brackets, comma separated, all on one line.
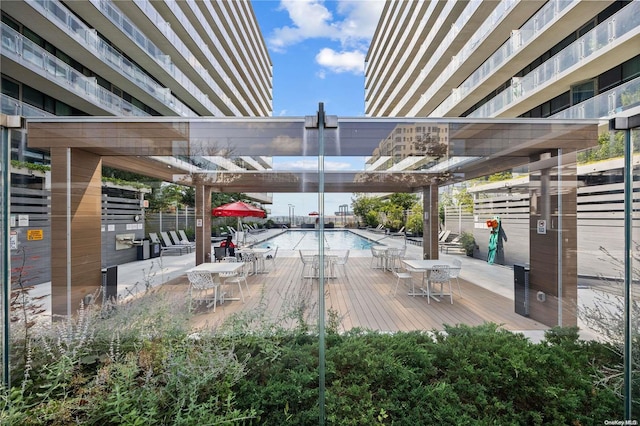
[(237, 154), (237, 209)]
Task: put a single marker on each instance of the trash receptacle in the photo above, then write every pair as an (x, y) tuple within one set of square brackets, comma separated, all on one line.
[(144, 250), (521, 289), (155, 249), (110, 283)]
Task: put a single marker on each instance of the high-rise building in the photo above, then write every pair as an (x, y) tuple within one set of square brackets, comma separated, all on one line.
[(552, 60), (128, 58), (561, 59), (132, 58)]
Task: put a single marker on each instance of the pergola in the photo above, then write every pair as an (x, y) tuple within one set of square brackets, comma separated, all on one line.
[(187, 150)]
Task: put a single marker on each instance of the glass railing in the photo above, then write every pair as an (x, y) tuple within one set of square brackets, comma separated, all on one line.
[(223, 52), (12, 106), (179, 45), (490, 23), (38, 60), (125, 25), (58, 15), (606, 104), (624, 23), (549, 13), (222, 94), (420, 54)]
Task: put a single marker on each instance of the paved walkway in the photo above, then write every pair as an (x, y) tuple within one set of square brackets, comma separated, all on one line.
[(135, 277)]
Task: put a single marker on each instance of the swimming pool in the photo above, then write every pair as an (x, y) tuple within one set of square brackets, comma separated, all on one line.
[(308, 240)]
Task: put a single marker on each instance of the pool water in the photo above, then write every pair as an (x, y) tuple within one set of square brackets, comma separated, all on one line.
[(308, 240)]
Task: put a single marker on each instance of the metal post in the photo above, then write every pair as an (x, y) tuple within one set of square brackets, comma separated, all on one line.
[(5, 205), (321, 322), (626, 124), (628, 206)]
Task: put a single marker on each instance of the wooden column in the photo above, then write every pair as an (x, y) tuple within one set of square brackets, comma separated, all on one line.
[(76, 210), (430, 222), (553, 279), (203, 221)]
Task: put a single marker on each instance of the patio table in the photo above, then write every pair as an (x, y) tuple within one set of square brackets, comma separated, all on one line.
[(218, 268), (258, 263), (425, 265)]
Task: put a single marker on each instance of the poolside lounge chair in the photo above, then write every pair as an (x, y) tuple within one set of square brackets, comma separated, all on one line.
[(164, 248), (380, 229), (168, 243), (453, 244), (184, 242), (400, 233)]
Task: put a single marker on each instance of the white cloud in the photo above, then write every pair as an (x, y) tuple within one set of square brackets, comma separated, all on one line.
[(352, 26), (310, 19), (339, 62)]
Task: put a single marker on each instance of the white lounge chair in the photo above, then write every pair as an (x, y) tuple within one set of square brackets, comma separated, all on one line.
[(163, 247)]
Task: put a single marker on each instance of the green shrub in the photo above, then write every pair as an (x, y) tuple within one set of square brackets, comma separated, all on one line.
[(141, 364)]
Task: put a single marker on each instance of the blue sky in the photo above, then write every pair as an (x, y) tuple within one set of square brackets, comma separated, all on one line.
[(317, 49)]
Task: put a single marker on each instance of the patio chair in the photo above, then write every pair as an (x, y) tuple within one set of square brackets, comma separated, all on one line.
[(307, 263), (219, 253), (236, 277), (454, 272), (391, 256), (179, 241), (200, 285), (439, 274), (315, 267), (403, 275), (163, 247), (377, 257), (342, 261)]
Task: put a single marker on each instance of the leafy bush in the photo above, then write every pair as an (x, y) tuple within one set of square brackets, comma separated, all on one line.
[(468, 242), (141, 364)]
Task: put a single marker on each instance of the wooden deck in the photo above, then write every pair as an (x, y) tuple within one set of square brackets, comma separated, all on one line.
[(363, 299)]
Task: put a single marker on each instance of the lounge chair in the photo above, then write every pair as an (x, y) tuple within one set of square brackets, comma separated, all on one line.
[(163, 247), (444, 236), (168, 243), (184, 242), (454, 244), (380, 229), (400, 233)]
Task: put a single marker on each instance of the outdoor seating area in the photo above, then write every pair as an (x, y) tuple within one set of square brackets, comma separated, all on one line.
[(369, 298)]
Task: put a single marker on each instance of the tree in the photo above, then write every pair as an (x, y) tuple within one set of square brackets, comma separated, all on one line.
[(404, 200), (367, 208), (414, 219)]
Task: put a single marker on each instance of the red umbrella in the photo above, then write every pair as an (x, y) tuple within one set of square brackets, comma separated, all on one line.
[(238, 209), (314, 214)]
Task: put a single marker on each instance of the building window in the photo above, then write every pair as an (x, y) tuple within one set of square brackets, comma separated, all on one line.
[(582, 91), (631, 69)]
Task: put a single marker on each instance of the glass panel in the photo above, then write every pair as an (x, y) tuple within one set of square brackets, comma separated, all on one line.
[(356, 272), (5, 255)]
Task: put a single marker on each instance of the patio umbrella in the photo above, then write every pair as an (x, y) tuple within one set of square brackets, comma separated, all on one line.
[(238, 209), (314, 213)]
